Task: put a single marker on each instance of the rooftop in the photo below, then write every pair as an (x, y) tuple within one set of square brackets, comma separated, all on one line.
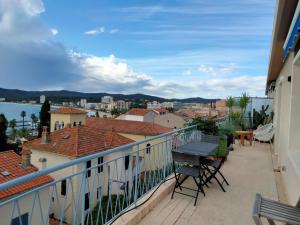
[(13, 169), (139, 111), (67, 110), (127, 126), (79, 141)]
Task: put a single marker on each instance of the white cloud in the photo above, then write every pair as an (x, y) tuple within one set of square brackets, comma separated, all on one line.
[(95, 31), (217, 70), (112, 31), (187, 72), (54, 31)]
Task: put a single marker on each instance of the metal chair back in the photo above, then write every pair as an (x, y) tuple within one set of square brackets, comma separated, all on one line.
[(210, 138), (182, 158)]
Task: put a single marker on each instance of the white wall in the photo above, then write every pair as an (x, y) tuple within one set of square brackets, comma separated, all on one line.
[(287, 127), (25, 205)]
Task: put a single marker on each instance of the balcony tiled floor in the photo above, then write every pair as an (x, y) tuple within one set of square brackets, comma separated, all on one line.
[(249, 170)]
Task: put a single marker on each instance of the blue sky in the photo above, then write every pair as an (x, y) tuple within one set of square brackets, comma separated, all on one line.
[(166, 48)]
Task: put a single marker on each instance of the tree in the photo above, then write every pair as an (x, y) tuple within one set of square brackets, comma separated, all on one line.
[(34, 120), (44, 117), (230, 102), (244, 100), (3, 128), (23, 115), (97, 114), (13, 124)]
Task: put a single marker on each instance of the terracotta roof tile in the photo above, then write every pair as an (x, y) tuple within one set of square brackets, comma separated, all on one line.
[(138, 111), (67, 110), (11, 162), (127, 126), (79, 141)]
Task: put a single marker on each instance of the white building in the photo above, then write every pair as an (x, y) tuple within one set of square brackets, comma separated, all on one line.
[(122, 105), (83, 102), (174, 105), (283, 83), (42, 99), (138, 114), (154, 105), (257, 103), (107, 99)]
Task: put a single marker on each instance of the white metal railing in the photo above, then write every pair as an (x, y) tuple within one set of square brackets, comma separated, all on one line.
[(113, 181)]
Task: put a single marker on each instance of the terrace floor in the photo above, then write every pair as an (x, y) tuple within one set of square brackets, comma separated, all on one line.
[(249, 170)]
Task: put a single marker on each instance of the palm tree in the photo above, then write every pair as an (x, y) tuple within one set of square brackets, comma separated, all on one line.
[(230, 102), (13, 125), (244, 100), (34, 120), (23, 115)]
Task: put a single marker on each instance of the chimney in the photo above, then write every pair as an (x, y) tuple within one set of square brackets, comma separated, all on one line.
[(45, 135), (26, 157)]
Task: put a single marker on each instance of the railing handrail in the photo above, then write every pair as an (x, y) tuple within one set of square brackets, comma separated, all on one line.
[(73, 162)]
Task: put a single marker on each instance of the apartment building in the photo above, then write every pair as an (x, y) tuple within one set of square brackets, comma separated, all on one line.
[(283, 84)]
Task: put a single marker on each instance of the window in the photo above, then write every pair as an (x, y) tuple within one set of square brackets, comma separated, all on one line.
[(148, 148), (63, 189), (87, 201), (98, 192), (88, 165), (62, 124), (126, 162), (79, 123), (74, 124), (100, 161), (24, 220)]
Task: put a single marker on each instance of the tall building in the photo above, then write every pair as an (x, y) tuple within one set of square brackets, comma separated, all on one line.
[(42, 99), (107, 99), (83, 102)]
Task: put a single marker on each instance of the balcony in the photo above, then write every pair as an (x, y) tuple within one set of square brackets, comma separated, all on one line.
[(91, 191), (249, 170)]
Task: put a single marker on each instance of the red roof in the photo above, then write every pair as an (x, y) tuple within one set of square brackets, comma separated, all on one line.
[(138, 111), (127, 126), (79, 141), (67, 110), (11, 162)]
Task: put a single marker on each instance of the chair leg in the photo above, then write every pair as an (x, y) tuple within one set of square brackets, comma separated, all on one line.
[(223, 177), (214, 176)]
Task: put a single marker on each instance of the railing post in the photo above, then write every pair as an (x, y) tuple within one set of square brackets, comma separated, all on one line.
[(136, 173), (165, 152)]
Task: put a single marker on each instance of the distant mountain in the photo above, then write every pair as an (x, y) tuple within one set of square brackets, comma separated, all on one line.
[(65, 96)]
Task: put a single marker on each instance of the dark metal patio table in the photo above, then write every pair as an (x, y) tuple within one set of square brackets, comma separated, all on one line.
[(198, 148)]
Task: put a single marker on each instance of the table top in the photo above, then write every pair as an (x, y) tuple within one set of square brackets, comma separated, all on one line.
[(244, 132), (198, 148)]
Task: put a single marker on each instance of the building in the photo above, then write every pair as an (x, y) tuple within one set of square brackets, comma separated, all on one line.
[(257, 103), (107, 99), (170, 120), (154, 105), (69, 143), (42, 99), (283, 84), (139, 114), (13, 166), (2, 99), (63, 117), (83, 102), (174, 105), (122, 105)]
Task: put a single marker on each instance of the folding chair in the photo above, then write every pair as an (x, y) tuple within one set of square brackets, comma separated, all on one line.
[(213, 166), (187, 165)]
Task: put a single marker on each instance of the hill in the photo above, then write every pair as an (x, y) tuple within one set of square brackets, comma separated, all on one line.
[(66, 96)]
